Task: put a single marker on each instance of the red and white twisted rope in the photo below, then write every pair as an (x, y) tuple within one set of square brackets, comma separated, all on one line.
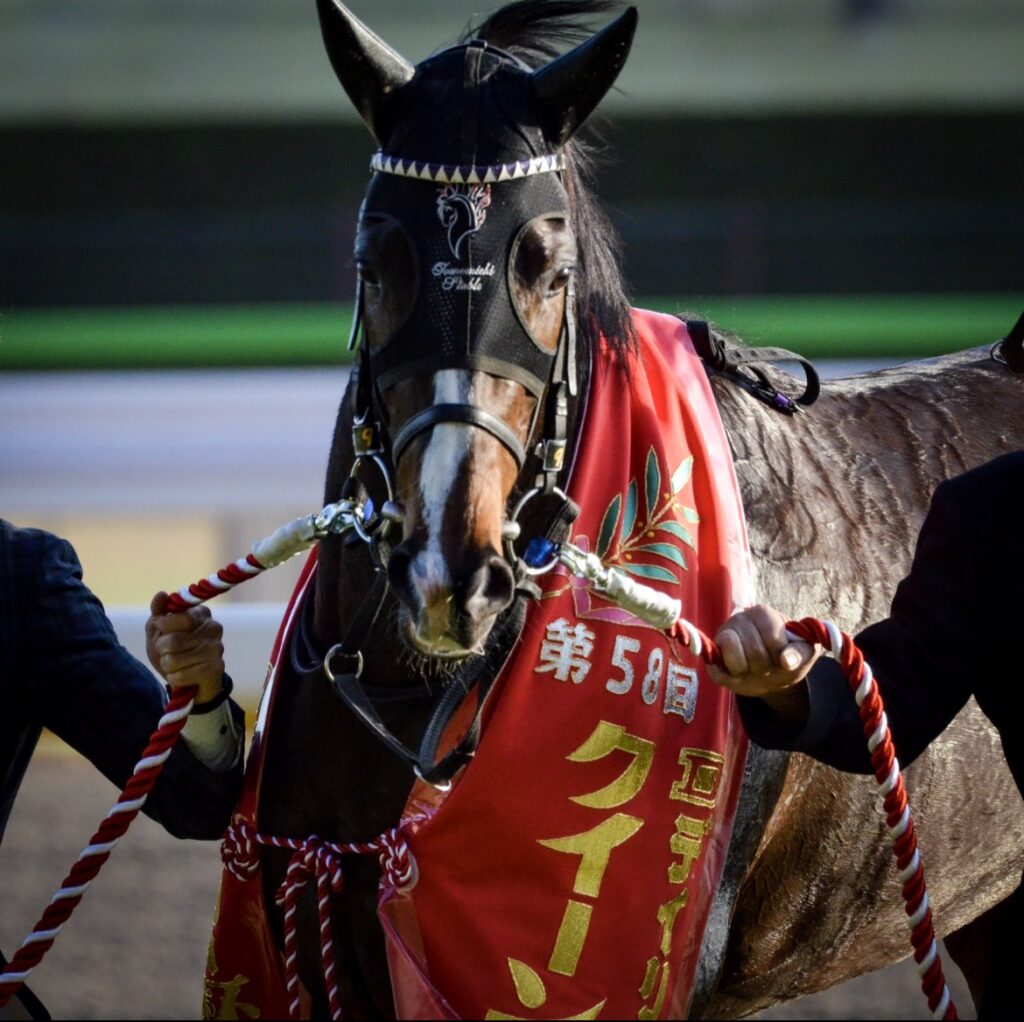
[(313, 858), (287, 541), (887, 773), (205, 589), (275, 549), (318, 860), (101, 844)]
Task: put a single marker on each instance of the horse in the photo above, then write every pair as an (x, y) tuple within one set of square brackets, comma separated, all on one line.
[(833, 500)]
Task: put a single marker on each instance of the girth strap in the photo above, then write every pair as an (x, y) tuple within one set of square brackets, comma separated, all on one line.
[(469, 415)]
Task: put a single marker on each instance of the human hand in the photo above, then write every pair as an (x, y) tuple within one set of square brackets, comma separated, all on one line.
[(760, 659), (186, 648)]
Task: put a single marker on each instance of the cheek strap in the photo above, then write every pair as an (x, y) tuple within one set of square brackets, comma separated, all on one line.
[(468, 415)]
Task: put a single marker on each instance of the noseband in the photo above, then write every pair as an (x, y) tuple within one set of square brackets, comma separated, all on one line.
[(466, 415)]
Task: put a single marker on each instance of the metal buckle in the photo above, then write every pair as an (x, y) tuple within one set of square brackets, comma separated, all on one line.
[(357, 656), (436, 785), (367, 439), (554, 455)]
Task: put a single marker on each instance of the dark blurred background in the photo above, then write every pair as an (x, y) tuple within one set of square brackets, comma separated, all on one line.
[(201, 151)]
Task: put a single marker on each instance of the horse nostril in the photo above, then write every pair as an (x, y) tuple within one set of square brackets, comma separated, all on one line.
[(490, 589), (501, 584)]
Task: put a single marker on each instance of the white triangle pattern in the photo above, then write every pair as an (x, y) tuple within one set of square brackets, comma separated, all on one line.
[(453, 174)]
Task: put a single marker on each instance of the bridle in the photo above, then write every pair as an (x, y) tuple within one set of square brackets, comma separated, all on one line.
[(378, 451), (374, 444)]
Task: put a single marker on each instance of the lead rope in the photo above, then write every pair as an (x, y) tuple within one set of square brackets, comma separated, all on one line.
[(895, 804), (664, 613), (287, 541), (101, 844)]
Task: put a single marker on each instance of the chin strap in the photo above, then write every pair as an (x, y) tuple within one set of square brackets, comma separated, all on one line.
[(342, 668)]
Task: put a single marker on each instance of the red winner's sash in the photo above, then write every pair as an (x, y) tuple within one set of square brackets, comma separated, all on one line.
[(569, 871)]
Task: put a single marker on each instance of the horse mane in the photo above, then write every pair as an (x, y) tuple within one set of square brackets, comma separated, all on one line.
[(537, 31)]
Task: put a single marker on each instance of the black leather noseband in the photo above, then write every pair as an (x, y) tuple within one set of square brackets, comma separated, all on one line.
[(469, 415)]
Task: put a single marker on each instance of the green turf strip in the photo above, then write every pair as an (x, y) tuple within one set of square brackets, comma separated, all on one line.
[(258, 335)]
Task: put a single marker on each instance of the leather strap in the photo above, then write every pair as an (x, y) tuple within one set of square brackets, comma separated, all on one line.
[(1011, 348), (469, 415), (740, 363), (310, 664), (343, 669)]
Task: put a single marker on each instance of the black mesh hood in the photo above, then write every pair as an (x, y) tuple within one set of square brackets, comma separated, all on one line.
[(464, 317), (468, 106)]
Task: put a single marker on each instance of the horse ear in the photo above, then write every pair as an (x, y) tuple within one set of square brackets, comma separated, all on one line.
[(368, 69), (569, 88)]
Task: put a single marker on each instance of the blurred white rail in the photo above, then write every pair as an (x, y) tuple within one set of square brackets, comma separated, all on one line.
[(244, 447), (222, 441)]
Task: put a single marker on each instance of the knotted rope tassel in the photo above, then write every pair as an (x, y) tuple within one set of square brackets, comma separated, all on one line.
[(315, 860), (890, 780)]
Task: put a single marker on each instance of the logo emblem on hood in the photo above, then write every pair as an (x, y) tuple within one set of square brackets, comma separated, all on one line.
[(462, 210)]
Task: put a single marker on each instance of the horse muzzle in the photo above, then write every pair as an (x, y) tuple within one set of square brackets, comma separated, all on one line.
[(448, 611)]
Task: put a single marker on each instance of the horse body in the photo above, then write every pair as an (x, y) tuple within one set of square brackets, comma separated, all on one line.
[(834, 499)]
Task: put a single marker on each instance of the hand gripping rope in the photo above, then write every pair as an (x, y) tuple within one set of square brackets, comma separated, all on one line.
[(665, 613), (289, 540)]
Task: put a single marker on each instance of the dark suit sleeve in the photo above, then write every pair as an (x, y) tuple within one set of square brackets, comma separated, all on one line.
[(925, 655), (96, 696)]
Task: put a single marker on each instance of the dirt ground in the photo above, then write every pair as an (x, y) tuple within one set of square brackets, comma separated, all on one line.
[(136, 946)]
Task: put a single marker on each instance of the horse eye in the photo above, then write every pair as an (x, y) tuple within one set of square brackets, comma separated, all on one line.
[(561, 279)]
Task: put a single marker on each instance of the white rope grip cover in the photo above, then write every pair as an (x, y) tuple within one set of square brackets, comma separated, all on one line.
[(645, 602), (286, 542)]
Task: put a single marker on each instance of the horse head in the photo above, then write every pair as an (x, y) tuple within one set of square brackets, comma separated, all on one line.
[(466, 255)]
